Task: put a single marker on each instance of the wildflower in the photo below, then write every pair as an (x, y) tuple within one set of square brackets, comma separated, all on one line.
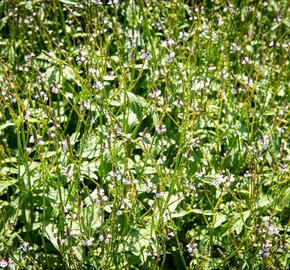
[(169, 57), (44, 96), (97, 2), (113, 174), (64, 144), (10, 263), (182, 35), (55, 88), (159, 194), (192, 187), (88, 242), (92, 70), (219, 179), (161, 129), (272, 229), (178, 103), (155, 93), (247, 60), (101, 195), (164, 43), (3, 263), (118, 129), (126, 181), (145, 55), (264, 142), (105, 238), (25, 247), (98, 85), (113, 2), (224, 74), (161, 160), (265, 251), (192, 248), (220, 22), (80, 59), (31, 139), (284, 168), (234, 91)]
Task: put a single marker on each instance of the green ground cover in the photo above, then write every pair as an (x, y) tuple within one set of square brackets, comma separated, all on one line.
[(144, 134)]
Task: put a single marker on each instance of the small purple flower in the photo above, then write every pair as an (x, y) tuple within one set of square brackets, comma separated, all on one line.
[(155, 93), (192, 248)]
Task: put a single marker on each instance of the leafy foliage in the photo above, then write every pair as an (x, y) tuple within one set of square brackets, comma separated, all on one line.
[(144, 134)]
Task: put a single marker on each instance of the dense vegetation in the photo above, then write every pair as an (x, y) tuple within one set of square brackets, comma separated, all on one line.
[(144, 134)]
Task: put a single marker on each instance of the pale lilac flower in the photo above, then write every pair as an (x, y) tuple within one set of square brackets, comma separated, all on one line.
[(10, 263), (266, 248), (80, 59), (145, 55), (192, 248), (220, 22), (56, 88), (64, 144), (159, 194), (118, 129), (272, 229), (98, 85), (155, 93), (88, 242), (92, 70), (126, 181), (97, 2), (3, 263), (169, 57), (224, 74), (170, 42)]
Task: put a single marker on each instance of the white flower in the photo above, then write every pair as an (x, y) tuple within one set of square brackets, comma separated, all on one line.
[(192, 248), (97, 2), (178, 103), (145, 55), (3, 263), (161, 160), (155, 93), (89, 242), (56, 88), (25, 247), (113, 2), (161, 129), (98, 85), (31, 139)]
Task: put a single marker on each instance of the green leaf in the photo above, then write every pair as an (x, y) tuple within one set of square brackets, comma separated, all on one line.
[(6, 184), (239, 220), (69, 2), (219, 219)]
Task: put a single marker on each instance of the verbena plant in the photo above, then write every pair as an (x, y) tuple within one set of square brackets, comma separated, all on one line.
[(144, 134)]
